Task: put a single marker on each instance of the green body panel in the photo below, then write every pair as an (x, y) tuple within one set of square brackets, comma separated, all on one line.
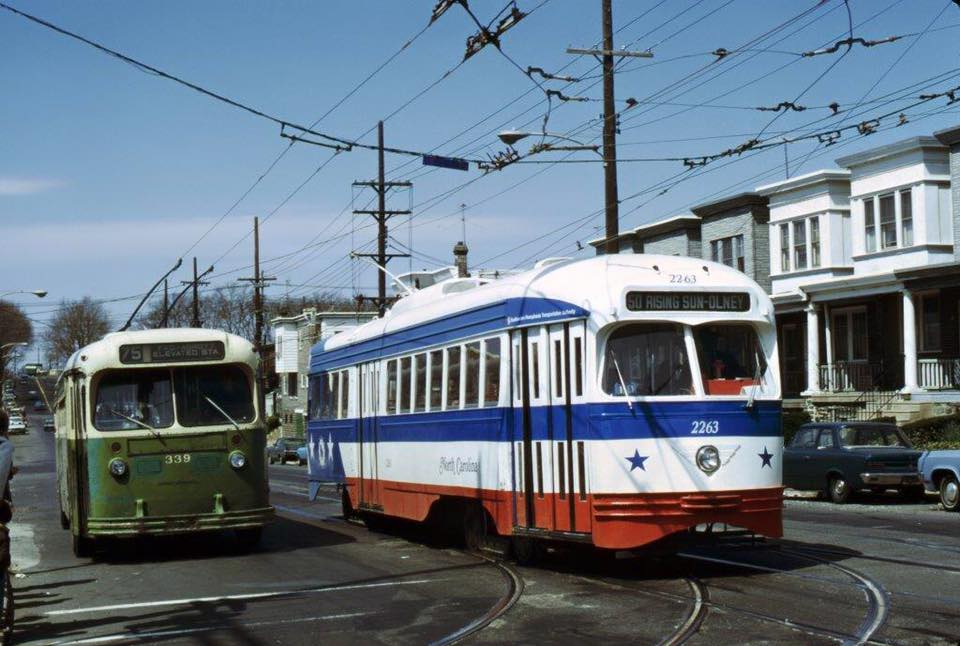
[(174, 483)]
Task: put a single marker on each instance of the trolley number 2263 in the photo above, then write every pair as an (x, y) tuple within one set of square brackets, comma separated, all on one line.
[(704, 427)]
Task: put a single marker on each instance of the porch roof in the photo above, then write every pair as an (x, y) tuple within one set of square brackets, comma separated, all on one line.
[(944, 274)]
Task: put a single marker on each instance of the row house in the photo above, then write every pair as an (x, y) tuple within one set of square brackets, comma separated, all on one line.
[(293, 336), (862, 263), (863, 279)]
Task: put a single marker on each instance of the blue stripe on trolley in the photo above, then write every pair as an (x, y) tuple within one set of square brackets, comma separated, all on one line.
[(511, 312), (606, 421)]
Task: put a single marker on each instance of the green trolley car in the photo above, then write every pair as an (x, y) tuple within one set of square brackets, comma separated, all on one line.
[(161, 432)]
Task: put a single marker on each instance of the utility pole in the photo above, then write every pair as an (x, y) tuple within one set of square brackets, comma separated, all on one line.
[(610, 125), (258, 280), (381, 215), (195, 284)]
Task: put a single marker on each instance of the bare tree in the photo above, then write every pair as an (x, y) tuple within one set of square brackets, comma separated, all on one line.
[(76, 324), (15, 327)]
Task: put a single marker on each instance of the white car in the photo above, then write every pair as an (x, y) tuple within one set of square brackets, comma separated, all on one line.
[(16, 426)]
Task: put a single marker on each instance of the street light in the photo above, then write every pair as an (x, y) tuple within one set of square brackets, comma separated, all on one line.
[(511, 137), (39, 293)]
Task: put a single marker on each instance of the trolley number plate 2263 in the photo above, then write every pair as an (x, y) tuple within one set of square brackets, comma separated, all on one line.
[(177, 458), (704, 427)]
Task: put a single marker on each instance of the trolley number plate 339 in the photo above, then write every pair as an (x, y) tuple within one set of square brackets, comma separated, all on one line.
[(704, 427), (177, 458)]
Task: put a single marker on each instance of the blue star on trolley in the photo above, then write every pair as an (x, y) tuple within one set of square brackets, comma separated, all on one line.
[(636, 461), (766, 456)]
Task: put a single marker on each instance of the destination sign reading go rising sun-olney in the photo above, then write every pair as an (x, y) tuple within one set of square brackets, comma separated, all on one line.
[(688, 302), (172, 352)]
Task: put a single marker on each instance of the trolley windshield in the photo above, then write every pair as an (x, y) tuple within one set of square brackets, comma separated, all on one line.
[(128, 400), (731, 357), (132, 399), (212, 395), (644, 359)]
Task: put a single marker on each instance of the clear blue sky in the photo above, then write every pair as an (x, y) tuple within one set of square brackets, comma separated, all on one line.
[(108, 173)]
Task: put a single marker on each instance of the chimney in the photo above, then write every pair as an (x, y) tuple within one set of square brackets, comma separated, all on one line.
[(460, 258)]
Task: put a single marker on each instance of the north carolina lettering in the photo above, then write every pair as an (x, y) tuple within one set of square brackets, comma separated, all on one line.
[(688, 302)]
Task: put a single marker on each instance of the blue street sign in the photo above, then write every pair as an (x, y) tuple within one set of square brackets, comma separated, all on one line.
[(454, 163)]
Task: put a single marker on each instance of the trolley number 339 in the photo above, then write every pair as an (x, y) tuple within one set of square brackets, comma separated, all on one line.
[(177, 458), (704, 427)]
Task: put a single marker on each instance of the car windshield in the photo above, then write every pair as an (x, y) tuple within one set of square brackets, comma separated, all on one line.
[(870, 436), (730, 357), (647, 359), (132, 399), (208, 395)]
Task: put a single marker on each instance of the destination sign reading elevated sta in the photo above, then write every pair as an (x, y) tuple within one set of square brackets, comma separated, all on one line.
[(688, 302), (172, 352)]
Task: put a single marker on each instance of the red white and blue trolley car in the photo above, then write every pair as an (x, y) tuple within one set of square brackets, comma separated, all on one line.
[(614, 400)]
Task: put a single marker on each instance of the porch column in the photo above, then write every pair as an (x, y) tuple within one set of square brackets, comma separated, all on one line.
[(813, 350), (909, 343), (828, 345)]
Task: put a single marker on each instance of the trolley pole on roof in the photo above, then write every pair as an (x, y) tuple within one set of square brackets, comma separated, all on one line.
[(610, 125), (166, 303), (381, 215)]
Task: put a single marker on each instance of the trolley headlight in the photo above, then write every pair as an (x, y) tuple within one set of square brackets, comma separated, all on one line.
[(708, 459), (118, 468), (238, 460)]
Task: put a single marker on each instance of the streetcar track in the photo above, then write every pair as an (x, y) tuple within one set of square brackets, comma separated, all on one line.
[(878, 601), (514, 590), (698, 614)]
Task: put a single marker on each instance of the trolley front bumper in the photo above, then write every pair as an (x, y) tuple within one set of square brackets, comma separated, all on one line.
[(180, 524)]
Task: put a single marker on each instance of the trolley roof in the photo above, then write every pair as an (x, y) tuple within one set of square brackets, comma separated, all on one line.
[(105, 353), (554, 291)]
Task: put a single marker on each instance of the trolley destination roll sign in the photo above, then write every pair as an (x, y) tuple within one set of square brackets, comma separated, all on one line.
[(688, 301), (172, 352)]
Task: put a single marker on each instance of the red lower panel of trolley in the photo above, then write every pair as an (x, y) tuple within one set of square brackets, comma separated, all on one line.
[(616, 521)]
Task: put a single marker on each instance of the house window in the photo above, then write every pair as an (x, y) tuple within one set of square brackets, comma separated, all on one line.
[(870, 226), (292, 384), (930, 323), (785, 247), (849, 332), (906, 218), (728, 251), (800, 244), (888, 222), (815, 241)]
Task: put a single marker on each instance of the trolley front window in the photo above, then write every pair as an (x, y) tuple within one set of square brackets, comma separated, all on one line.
[(210, 395), (133, 399), (647, 359), (730, 357)]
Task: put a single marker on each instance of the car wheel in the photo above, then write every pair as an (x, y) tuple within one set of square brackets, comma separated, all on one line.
[(950, 493), (839, 490), (301, 462)]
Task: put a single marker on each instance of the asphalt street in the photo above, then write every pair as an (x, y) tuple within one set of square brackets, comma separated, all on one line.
[(880, 571)]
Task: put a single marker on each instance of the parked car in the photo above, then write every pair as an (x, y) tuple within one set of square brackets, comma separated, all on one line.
[(39, 405), (302, 455), (49, 424), (16, 426), (941, 473), (844, 457), (284, 449)]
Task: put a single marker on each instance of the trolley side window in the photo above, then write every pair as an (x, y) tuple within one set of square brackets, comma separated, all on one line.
[(436, 379), (491, 358), (128, 400), (647, 359), (211, 395), (420, 389), (405, 385), (730, 357), (471, 396), (391, 387), (453, 378), (320, 396)]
